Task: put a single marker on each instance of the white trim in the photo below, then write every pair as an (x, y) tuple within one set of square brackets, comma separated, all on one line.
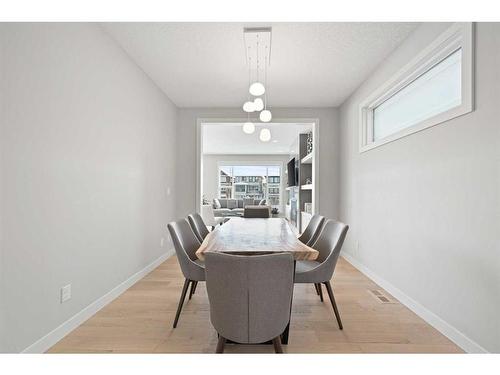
[(457, 36), (467, 344), (51, 338)]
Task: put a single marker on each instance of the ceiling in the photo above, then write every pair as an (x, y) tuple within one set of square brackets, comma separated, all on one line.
[(228, 138), (312, 64)]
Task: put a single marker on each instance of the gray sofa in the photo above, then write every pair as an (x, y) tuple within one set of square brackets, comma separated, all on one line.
[(233, 207)]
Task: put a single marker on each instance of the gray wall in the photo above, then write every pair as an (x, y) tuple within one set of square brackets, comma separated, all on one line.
[(3, 340), (87, 155), (424, 210), (328, 149), (211, 173)]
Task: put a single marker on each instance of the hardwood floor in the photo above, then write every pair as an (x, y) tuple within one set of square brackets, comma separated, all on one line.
[(140, 321)]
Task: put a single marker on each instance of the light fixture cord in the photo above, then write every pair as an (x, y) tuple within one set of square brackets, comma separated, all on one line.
[(265, 82), (257, 58), (249, 80)]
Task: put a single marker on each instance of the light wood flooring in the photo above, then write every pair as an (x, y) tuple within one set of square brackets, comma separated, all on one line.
[(140, 321)]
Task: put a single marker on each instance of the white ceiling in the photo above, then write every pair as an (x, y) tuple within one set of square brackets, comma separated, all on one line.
[(312, 64), (228, 138)]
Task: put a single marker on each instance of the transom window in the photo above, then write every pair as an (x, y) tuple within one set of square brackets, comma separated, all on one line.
[(434, 87)]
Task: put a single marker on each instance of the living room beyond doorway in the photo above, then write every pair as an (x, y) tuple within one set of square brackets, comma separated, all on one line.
[(266, 164)]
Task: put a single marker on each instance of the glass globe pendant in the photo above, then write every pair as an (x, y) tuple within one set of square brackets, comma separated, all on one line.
[(265, 135), (248, 127), (259, 104), (249, 106), (265, 115), (257, 89)]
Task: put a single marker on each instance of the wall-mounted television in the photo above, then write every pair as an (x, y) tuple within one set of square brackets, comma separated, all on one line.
[(292, 173)]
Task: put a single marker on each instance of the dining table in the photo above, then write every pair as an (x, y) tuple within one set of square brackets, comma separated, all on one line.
[(256, 236)]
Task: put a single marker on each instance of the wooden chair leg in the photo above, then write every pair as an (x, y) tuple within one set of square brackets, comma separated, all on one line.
[(316, 287), (277, 345), (195, 285), (220, 345), (193, 288), (181, 301), (320, 292), (332, 299)]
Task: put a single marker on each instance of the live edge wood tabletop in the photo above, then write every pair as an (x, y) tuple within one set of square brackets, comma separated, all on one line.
[(245, 236)]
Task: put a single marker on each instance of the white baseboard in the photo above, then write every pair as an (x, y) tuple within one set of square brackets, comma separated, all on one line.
[(446, 329), (50, 339)]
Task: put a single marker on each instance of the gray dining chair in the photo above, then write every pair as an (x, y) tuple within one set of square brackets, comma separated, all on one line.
[(198, 226), (312, 230), (250, 297), (262, 212), (186, 244), (329, 243)]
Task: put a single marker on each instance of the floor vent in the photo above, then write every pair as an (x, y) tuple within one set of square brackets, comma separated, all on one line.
[(381, 296)]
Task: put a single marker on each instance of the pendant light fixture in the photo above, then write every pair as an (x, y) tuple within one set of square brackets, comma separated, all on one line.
[(265, 115), (258, 43), (248, 127), (265, 135), (258, 104), (249, 107), (257, 88)]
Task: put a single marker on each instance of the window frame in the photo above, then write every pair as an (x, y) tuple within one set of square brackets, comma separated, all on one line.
[(458, 36), (267, 164)]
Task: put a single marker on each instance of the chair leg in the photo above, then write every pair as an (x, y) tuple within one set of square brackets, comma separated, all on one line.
[(181, 301), (320, 289), (195, 285), (332, 299), (193, 288), (316, 287), (220, 345), (277, 345)]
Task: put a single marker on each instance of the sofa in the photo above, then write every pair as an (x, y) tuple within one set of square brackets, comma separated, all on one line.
[(234, 207)]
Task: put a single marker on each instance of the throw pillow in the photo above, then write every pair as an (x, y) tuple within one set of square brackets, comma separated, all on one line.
[(248, 202), (262, 202), (216, 203), (232, 203)]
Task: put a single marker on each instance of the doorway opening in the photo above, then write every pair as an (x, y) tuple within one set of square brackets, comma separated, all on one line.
[(237, 168)]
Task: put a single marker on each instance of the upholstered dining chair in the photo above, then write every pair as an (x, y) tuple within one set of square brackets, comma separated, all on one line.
[(208, 216), (198, 226), (329, 243), (186, 244), (250, 297), (312, 230)]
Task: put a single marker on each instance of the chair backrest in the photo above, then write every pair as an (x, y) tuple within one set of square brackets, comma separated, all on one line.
[(263, 212), (207, 214), (250, 296), (199, 227), (329, 243), (185, 243), (313, 230)]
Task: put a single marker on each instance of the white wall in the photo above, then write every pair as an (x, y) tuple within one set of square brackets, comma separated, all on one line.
[(424, 210), (87, 154), (328, 149), (211, 171)]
